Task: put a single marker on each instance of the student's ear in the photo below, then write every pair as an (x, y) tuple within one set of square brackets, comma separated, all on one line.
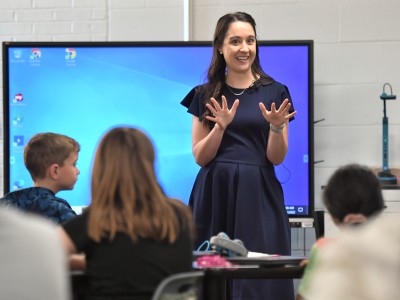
[(54, 171)]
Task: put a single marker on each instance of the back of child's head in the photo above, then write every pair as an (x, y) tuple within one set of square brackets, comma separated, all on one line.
[(126, 195), (353, 189), (125, 155), (45, 149)]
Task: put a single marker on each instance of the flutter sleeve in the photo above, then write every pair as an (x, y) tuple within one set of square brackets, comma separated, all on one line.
[(194, 102)]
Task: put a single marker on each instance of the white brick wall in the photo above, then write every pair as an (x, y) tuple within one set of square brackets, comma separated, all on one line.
[(146, 24), (357, 46), (11, 4)]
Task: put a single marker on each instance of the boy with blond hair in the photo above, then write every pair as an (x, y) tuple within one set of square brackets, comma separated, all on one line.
[(51, 161)]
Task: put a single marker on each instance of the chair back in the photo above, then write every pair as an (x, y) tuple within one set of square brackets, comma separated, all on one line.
[(180, 286)]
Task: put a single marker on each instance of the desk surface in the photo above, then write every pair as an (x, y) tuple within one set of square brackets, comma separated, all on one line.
[(270, 267), (267, 261), (256, 273), (259, 267), (260, 260), (214, 283)]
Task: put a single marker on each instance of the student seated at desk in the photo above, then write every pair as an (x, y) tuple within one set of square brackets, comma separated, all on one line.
[(364, 264), (51, 161), (33, 264), (132, 234), (352, 196)]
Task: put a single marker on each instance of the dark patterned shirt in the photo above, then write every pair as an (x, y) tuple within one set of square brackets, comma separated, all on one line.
[(41, 201)]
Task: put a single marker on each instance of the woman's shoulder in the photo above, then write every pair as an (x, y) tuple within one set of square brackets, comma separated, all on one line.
[(272, 84), (193, 93), (275, 88)]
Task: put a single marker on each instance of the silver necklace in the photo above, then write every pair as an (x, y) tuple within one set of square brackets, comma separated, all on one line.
[(236, 94)]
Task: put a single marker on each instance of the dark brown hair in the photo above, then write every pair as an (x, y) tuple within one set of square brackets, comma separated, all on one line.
[(217, 68), (126, 196), (45, 149), (353, 189)]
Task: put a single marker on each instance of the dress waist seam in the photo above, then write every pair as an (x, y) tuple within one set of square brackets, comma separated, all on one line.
[(240, 162)]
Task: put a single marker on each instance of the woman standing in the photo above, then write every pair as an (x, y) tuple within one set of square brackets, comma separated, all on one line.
[(239, 132)]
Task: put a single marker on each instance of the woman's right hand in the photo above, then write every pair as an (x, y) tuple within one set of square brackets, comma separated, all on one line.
[(221, 115)]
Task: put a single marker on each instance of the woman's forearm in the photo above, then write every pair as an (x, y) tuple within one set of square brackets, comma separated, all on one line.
[(206, 149), (277, 145)]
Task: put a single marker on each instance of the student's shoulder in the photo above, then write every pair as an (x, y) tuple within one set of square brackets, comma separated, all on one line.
[(181, 209), (322, 242), (178, 205), (29, 193)]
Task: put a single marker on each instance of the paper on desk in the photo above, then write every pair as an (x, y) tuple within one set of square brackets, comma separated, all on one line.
[(258, 254)]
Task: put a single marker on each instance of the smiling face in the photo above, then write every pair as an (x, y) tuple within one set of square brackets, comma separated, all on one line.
[(239, 47)]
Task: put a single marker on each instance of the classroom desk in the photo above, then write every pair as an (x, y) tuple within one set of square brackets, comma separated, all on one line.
[(214, 284), (283, 267)]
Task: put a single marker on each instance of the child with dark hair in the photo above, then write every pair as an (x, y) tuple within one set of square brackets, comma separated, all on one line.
[(352, 196), (51, 161), (363, 264)]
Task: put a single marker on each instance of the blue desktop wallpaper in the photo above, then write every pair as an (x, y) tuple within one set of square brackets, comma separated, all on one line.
[(82, 91)]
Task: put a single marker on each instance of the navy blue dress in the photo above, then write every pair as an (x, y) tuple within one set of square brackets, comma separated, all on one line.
[(238, 192)]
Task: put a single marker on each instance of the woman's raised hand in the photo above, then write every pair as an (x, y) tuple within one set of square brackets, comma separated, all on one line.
[(221, 115), (277, 117)]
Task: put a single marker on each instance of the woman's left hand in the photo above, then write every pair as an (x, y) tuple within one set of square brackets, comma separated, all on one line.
[(277, 117)]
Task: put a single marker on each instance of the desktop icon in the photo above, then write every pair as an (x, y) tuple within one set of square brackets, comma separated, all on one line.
[(18, 53), (17, 121), (19, 184), (70, 53), (18, 140), (35, 53), (18, 98)]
